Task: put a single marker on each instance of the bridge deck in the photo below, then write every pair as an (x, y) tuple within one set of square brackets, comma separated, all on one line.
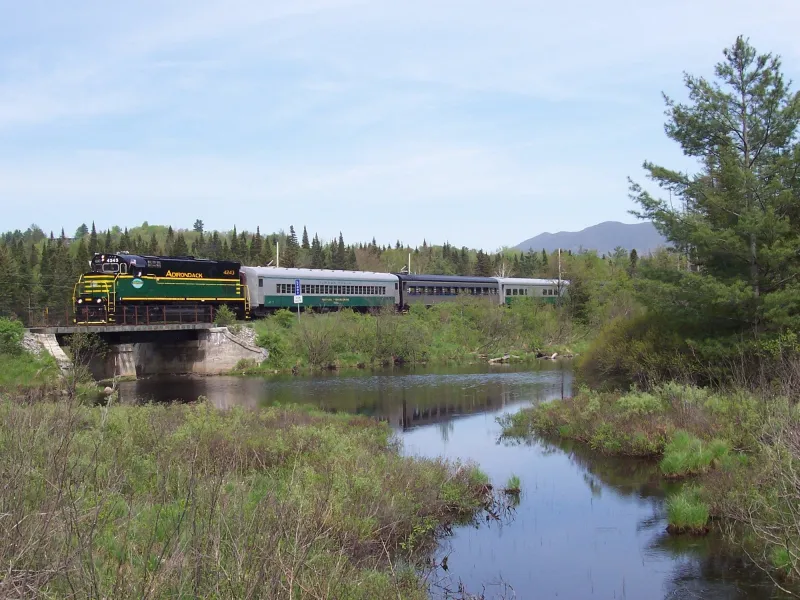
[(122, 328)]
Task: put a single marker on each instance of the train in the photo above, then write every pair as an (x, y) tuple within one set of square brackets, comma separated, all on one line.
[(123, 288)]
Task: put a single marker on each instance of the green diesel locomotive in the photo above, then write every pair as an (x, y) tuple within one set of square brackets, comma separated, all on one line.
[(126, 289)]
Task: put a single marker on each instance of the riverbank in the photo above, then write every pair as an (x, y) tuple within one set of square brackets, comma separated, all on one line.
[(463, 332), (737, 454), (185, 499)]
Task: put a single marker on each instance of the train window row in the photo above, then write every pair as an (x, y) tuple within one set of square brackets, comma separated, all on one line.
[(359, 290), (525, 292), (449, 291)]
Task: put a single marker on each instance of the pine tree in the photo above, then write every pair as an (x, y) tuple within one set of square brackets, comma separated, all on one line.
[(483, 265), (235, 250), (180, 248), (153, 248), (244, 249), (290, 256), (737, 222), (352, 261), (108, 245), (33, 260), (634, 262), (198, 226), (256, 245), (306, 245), (169, 242), (8, 283), (125, 241), (81, 231), (317, 254), (82, 259), (267, 255), (339, 256)]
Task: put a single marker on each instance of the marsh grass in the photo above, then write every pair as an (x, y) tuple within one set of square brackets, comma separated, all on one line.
[(188, 501), (686, 455), (645, 423), (687, 512)]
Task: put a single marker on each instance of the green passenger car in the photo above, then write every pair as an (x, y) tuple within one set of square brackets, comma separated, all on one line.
[(272, 288)]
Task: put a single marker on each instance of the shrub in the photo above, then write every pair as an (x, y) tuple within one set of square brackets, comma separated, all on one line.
[(637, 351), (284, 317), (224, 316), (11, 334)]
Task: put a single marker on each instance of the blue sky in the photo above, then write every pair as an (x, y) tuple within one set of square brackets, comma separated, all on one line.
[(482, 123)]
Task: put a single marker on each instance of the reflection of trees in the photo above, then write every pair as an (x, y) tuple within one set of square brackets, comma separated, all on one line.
[(626, 476), (446, 428), (704, 567)]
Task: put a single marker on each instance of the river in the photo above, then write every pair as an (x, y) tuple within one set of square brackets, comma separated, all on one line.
[(585, 527)]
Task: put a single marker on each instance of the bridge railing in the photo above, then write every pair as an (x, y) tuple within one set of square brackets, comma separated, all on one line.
[(165, 314)]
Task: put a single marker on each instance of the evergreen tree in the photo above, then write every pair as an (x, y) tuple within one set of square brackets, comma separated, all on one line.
[(256, 245), (339, 254), (108, 245), (306, 245), (739, 223), (290, 256), (235, 250), (8, 283), (125, 241), (198, 226), (244, 249), (169, 242), (317, 254), (483, 265), (267, 254), (33, 259), (82, 259), (179, 247), (214, 247), (81, 231), (153, 248), (352, 261), (634, 261)]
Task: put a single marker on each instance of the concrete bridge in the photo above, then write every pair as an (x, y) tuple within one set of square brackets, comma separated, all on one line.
[(143, 350)]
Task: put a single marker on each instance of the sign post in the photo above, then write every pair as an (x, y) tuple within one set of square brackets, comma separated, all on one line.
[(298, 297)]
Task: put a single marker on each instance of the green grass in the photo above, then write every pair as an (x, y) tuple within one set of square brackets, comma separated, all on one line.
[(687, 512), (686, 454), (513, 484), (26, 374), (188, 501)]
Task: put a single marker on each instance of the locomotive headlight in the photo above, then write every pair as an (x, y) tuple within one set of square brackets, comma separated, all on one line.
[(80, 300), (99, 300)]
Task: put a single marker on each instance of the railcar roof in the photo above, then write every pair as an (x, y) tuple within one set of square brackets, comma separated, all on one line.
[(296, 273), (526, 281), (447, 279)]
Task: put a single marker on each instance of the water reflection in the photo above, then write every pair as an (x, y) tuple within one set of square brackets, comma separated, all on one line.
[(404, 398), (586, 525)]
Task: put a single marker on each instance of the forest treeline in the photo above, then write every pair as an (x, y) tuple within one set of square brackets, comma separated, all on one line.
[(38, 270)]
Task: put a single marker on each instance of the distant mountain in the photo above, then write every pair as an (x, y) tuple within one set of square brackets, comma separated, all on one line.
[(603, 237)]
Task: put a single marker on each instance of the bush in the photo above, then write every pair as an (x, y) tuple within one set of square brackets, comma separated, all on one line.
[(11, 334), (638, 351), (224, 316)]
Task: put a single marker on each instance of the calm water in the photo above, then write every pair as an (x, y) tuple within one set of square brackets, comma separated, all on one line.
[(586, 526)]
